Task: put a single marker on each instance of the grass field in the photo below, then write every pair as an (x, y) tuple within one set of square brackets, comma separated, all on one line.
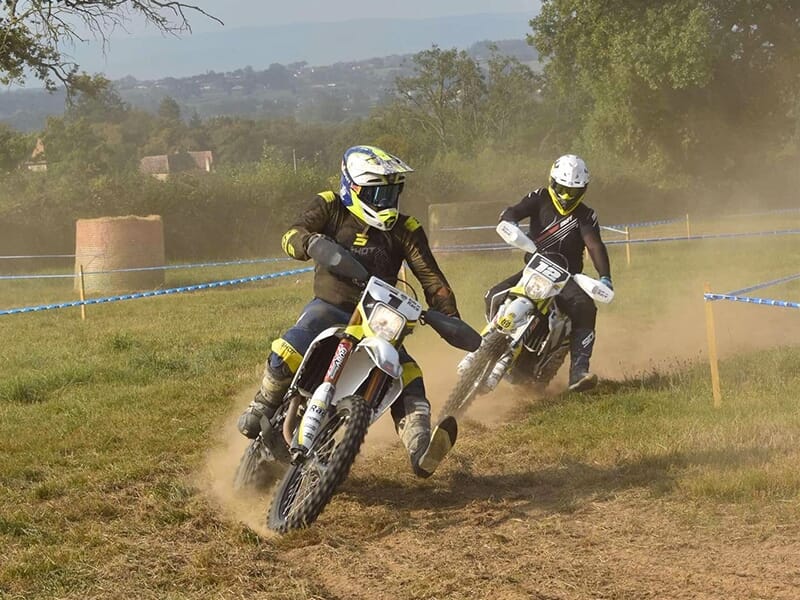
[(117, 444)]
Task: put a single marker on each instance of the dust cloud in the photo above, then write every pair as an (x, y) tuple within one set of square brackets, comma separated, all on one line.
[(216, 476), (438, 362), (626, 347)]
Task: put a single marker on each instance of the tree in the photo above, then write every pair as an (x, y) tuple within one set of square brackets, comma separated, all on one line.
[(169, 110), (33, 32), (96, 99), (444, 97), (14, 148), (513, 102), (682, 80)]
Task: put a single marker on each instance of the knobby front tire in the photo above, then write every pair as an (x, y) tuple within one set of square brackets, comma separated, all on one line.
[(470, 383), (307, 487)]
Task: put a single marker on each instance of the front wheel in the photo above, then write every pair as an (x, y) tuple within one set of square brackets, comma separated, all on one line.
[(308, 486), (470, 383)]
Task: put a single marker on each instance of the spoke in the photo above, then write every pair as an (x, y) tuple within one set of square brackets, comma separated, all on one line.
[(306, 483), (315, 467)]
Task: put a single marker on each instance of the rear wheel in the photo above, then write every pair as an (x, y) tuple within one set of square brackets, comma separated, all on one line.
[(307, 487), (552, 364), (470, 383), (256, 468)]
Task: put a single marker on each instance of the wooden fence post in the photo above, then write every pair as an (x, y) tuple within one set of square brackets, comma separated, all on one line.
[(628, 244), (712, 350), (83, 295)]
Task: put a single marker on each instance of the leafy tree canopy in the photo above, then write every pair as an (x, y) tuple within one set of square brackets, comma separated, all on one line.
[(453, 102), (674, 80)]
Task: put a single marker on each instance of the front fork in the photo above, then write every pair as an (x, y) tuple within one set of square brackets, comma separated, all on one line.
[(555, 326), (320, 403)]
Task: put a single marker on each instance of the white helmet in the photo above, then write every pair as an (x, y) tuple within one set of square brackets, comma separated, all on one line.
[(569, 178), (371, 184)]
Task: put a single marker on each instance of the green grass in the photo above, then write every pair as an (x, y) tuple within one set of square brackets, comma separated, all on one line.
[(105, 422)]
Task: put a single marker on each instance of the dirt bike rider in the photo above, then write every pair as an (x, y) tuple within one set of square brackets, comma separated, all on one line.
[(364, 218), (559, 222)]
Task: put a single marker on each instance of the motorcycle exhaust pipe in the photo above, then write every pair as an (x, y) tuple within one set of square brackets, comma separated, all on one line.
[(290, 422)]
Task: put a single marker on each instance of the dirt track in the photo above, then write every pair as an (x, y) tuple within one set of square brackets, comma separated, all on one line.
[(573, 532), (515, 530)]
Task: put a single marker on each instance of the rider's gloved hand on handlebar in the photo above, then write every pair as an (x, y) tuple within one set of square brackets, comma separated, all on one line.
[(606, 281), (313, 238)]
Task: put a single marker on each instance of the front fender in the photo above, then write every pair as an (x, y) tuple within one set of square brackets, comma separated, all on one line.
[(384, 355), (514, 314)]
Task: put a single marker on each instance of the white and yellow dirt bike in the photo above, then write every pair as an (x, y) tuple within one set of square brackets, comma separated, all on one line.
[(523, 319), (349, 377)]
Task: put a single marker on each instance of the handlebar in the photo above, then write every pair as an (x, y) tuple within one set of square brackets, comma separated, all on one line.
[(453, 330), (514, 236), (336, 259)]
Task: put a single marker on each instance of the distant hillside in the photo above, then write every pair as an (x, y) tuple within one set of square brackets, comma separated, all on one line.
[(314, 43), (329, 93)]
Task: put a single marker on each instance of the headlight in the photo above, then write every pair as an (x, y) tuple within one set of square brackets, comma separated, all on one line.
[(538, 286), (386, 323)]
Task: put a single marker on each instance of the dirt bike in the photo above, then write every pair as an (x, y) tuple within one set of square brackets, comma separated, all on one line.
[(526, 337), (349, 377)]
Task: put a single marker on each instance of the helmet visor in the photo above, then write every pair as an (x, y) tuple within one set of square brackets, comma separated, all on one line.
[(381, 197), (568, 194)]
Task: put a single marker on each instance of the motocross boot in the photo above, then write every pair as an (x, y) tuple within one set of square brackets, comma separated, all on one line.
[(412, 417), (266, 401), (441, 442), (581, 345), (465, 363)]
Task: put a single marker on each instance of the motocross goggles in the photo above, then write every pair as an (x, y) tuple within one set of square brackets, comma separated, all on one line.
[(381, 196), (568, 194), (566, 197)]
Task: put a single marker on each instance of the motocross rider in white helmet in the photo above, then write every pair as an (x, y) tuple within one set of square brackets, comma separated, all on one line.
[(560, 223)]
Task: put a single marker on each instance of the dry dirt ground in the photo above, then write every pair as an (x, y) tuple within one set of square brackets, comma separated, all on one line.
[(506, 530)]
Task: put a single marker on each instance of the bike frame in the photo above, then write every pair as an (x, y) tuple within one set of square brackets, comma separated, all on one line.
[(358, 359)]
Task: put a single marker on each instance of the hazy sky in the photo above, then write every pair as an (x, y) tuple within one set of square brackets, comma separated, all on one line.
[(127, 56), (243, 13)]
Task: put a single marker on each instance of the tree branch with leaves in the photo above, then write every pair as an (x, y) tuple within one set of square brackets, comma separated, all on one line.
[(33, 33)]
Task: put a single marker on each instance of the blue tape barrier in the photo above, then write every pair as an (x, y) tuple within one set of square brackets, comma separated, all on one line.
[(707, 236), (466, 228), (152, 293), (620, 228), (617, 228), (159, 268), (748, 300), (680, 238), (759, 286), (610, 228), (651, 223)]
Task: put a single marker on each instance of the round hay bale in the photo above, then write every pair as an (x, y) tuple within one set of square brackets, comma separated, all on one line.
[(114, 243)]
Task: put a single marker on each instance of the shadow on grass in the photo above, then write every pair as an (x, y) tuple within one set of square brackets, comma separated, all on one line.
[(528, 397), (562, 488)]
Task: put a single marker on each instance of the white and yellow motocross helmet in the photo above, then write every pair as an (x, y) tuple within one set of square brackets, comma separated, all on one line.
[(569, 178), (371, 184)]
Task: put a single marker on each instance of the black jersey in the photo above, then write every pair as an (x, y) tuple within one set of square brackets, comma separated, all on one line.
[(566, 234), (381, 252)]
